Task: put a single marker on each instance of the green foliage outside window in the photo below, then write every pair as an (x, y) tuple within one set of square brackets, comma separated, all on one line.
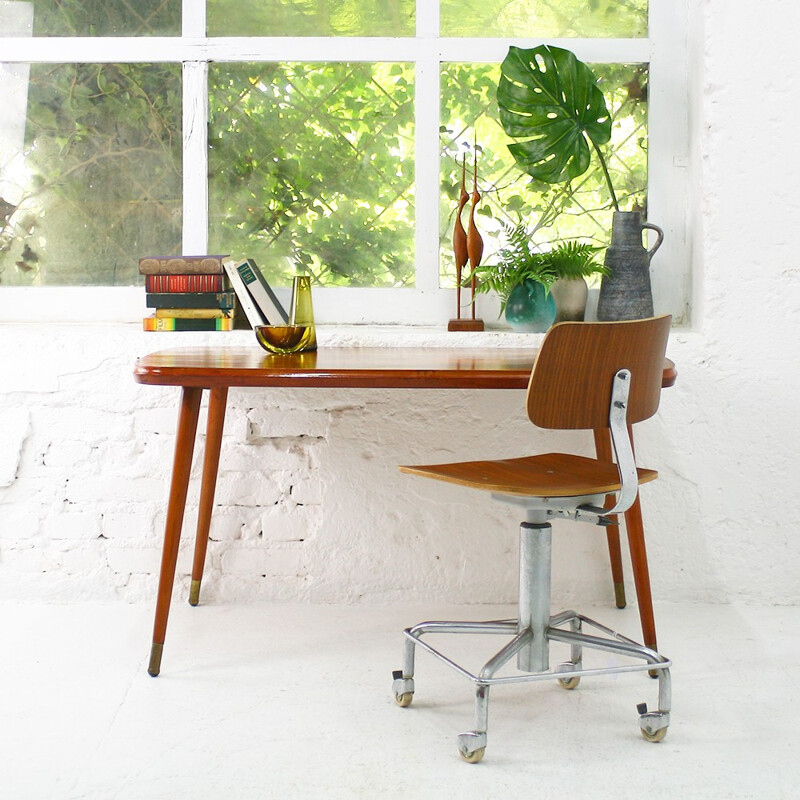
[(311, 18), (312, 166), (544, 18), (106, 17), (482, 18), (98, 181), (577, 210)]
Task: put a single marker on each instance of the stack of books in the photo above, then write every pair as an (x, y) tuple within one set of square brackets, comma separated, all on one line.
[(207, 293), (187, 293)]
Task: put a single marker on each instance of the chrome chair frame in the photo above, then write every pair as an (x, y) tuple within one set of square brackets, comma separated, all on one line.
[(535, 627)]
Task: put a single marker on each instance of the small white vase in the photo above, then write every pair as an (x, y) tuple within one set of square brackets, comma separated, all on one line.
[(570, 295)]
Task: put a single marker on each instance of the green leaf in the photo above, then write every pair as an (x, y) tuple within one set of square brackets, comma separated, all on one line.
[(551, 101), (572, 259)]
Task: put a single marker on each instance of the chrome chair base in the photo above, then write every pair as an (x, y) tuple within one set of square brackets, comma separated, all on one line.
[(531, 634)]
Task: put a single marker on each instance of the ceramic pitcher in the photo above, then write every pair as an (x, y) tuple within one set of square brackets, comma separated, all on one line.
[(625, 292)]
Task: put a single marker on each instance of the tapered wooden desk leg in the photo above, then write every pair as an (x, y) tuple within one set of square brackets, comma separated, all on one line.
[(602, 444), (181, 467), (634, 527), (641, 574), (216, 420)]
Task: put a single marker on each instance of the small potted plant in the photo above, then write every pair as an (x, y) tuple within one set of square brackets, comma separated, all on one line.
[(572, 263), (521, 278), (539, 287)]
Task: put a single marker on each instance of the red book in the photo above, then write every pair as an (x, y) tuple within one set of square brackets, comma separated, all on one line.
[(184, 283)]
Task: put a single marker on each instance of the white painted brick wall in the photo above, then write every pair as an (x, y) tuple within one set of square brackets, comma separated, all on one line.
[(13, 433), (310, 506), (134, 526), (319, 512)]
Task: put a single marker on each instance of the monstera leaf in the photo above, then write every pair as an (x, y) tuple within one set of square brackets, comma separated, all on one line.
[(550, 99)]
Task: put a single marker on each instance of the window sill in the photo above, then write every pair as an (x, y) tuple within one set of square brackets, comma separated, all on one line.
[(421, 336), (495, 335), (327, 335), (38, 356)]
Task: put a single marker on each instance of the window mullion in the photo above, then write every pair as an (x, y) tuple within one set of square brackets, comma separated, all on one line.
[(595, 51), (195, 136), (427, 16), (668, 159), (426, 160), (109, 49), (195, 157), (193, 18)]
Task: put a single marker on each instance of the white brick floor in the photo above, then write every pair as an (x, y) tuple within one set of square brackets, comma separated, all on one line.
[(294, 701)]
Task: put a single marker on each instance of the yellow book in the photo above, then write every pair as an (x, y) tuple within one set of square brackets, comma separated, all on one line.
[(194, 313)]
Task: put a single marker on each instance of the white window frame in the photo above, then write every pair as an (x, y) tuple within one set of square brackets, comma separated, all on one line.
[(426, 304)]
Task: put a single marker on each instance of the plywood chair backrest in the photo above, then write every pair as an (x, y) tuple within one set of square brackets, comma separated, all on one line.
[(570, 386)]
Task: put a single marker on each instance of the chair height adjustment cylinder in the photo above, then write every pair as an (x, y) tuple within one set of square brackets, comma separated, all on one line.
[(535, 547)]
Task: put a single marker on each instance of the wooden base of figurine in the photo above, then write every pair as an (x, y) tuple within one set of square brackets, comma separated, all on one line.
[(465, 325)]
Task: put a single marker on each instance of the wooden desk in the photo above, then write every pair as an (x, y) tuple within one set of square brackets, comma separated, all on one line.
[(218, 369)]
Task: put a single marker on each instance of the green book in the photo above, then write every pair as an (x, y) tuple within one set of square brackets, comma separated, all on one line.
[(261, 292)]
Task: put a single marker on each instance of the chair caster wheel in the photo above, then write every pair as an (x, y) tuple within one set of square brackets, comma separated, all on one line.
[(403, 689), (657, 736), (472, 746), (654, 724), (404, 700), (572, 682), (474, 757)]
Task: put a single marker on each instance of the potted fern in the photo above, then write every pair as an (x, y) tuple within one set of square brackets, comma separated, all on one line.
[(538, 287), (521, 278), (572, 263)]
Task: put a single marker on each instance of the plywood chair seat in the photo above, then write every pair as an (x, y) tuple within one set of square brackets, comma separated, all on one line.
[(545, 475)]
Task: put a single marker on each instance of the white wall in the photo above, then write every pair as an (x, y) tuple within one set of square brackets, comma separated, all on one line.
[(310, 504)]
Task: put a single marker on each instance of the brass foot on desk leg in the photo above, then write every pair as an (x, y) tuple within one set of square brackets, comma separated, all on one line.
[(619, 595), (155, 659), (194, 593)]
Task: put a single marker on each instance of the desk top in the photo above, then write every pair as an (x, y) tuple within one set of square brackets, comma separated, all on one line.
[(347, 367)]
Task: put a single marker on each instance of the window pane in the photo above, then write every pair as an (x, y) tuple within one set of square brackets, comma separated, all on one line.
[(544, 18), (16, 19), (310, 18), (90, 173), (92, 17), (469, 114), (311, 165)]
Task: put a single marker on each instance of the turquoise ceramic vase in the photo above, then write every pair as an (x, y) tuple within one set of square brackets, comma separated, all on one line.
[(529, 308)]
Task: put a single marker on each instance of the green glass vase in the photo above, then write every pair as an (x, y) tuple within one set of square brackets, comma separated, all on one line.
[(301, 311)]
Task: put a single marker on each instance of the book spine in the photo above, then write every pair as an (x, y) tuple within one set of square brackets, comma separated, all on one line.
[(262, 293), (178, 324), (184, 283), (219, 300), (181, 265), (254, 316)]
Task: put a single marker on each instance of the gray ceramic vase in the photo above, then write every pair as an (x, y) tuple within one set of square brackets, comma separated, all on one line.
[(625, 292)]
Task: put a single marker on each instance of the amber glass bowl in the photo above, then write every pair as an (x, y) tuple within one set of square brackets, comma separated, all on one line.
[(283, 338)]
